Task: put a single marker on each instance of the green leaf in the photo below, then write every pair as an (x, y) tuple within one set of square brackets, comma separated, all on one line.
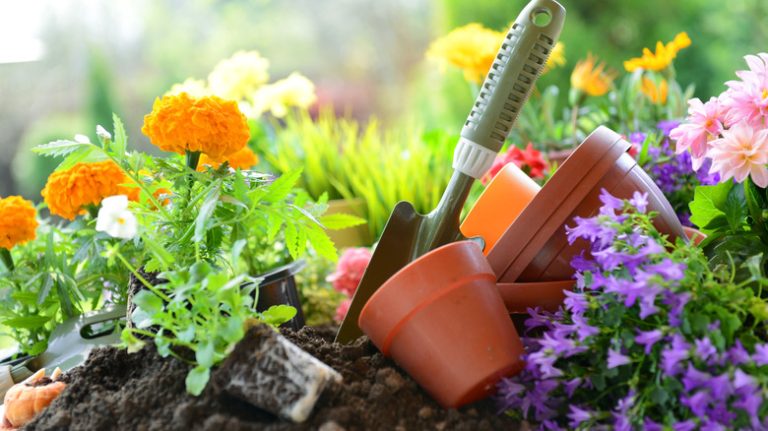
[(341, 221), (204, 355), (282, 186), (197, 379), (120, 140), (292, 239), (276, 315), (148, 302), (83, 155), (322, 244), (26, 322), (59, 148), (206, 211), (708, 203), (164, 258), (735, 208)]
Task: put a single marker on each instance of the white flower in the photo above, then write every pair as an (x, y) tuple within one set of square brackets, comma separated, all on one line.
[(102, 133), (115, 219)]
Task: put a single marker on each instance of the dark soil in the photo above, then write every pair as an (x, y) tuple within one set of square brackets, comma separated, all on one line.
[(116, 390)]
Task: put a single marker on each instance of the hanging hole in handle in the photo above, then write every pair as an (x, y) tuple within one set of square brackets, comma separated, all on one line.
[(541, 17)]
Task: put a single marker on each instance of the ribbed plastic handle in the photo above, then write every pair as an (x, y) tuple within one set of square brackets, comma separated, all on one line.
[(517, 65)]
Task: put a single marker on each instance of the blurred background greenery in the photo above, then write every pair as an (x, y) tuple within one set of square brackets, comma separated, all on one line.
[(65, 65)]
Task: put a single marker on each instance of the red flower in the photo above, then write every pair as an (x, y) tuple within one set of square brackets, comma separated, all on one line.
[(529, 161), (350, 269)]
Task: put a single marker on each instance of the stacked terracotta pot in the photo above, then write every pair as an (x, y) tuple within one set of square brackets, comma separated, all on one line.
[(445, 317)]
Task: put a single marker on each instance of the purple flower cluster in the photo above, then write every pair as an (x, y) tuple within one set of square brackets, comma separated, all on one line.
[(618, 339), (674, 173)]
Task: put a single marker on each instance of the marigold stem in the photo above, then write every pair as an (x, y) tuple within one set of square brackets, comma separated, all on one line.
[(193, 158), (5, 254)]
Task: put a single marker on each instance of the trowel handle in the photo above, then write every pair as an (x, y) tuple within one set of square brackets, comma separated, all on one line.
[(517, 65)]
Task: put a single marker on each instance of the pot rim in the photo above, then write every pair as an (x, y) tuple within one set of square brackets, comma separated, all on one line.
[(600, 149), (288, 270), (405, 313)]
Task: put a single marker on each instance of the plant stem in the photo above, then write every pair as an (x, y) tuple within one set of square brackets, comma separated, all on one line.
[(193, 158), (143, 280), (5, 255)]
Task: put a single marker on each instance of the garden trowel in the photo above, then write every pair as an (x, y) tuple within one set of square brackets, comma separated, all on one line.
[(69, 345), (408, 234)]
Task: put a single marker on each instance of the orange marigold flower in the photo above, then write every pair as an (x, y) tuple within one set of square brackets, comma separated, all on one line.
[(67, 192), (211, 125), (663, 56), (656, 93), (243, 159), (17, 221), (591, 77)]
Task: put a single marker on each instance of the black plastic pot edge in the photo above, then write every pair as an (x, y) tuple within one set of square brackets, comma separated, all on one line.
[(277, 287)]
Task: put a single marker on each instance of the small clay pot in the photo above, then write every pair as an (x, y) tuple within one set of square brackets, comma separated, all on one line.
[(279, 287), (442, 319), (505, 197), (535, 247)]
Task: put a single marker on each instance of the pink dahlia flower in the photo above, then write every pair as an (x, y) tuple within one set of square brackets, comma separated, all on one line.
[(704, 123), (350, 269), (747, 99), (741, 152), (342, 310)]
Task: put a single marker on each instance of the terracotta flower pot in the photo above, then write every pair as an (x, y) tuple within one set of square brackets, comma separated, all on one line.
[(442, 319), (505, 197), (535, 248)]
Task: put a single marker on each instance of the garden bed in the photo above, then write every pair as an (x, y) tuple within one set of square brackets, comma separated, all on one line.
[(142, 391)]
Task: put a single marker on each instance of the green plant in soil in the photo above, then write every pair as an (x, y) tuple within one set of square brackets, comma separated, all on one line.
[(207, 235), (198, 315)]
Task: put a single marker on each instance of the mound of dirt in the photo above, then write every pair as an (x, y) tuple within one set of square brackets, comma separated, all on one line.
[(142, 391)]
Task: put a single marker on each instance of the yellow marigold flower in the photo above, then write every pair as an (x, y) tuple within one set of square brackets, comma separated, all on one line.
[(17, 221), (556, 58), (295, 91), (591, 77), (237, 77), (661, 58), (191, 86), (681, 41), (68, 192), (210, 125), (472, 48), (243, 159), (656, 94)]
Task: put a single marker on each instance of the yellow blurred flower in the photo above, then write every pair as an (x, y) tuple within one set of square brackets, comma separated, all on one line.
[(591, 77), (556, 58), (209, 125), (656, 94), (243, 159), (17, 221), (237, 77), (67, 192), (294, 91), (662, 57), (472, 48), (193, 87)]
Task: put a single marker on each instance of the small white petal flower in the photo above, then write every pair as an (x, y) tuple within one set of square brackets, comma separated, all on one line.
[(102, 133), (115, 219), (82, 139)]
